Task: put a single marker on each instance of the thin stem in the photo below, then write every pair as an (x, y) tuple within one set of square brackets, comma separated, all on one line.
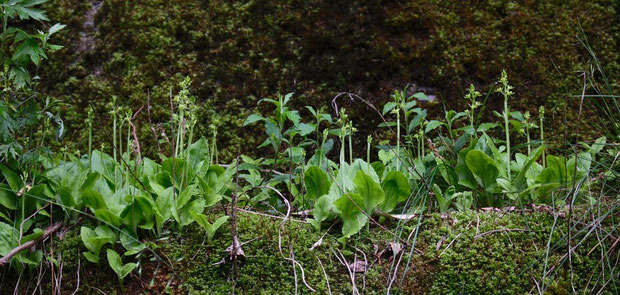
[(128, 149), (398, 140), (527, 132), (368, 149), (507, 137), (90, 138), (542, 135), (342, 147), (350, 147)]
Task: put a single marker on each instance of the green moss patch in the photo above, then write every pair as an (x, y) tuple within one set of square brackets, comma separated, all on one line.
[(473, 253)]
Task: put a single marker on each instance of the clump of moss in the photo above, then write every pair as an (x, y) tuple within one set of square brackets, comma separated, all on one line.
[(472, 258), (469, 252)]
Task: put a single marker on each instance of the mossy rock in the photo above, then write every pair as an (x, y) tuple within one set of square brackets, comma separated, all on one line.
[(237, 52)]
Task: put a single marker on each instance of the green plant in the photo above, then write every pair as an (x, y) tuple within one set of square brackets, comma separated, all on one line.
[(209, 228), (506, 91), (541, 117), (121, 270), (94, 240)]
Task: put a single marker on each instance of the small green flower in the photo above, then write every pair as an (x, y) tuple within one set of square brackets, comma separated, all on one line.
[(504, 88)]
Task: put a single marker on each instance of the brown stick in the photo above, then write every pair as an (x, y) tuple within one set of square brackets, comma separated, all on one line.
[(48, 231)]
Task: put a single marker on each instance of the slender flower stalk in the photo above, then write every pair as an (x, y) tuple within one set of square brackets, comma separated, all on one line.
[(527, 117), (368, 142), (506, 91), (541, 116), (473, 105), (325, 134), (351, 130), (114, 111), (344, 126), (129, 145), (90, 138), (397, 112)]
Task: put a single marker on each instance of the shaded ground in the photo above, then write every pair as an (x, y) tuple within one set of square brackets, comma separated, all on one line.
[(460, 253)]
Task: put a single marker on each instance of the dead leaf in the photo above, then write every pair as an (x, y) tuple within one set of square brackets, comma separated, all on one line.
[(439, 243), (396, 247), (358, 266), (317, 243)]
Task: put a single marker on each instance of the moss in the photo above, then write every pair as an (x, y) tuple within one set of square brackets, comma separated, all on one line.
[(494, 263), (471, 258), (239, 51)]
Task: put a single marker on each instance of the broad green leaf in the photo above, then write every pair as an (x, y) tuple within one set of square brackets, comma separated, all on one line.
[(598, 145), (7, 197), (25, 12), (66, 197), (487, 126), (8, 238), (14, 181), (396, 190), (287, 97), (361, 165), (105, 231), (584, 161), (388, 107), (37, 232), (386, 156), (370, 191), (138, 212), (55, 28), (483, 167), (186, 195), (417, 120), (321, 211), (252, 119), (198, 153), (444, 199), (305, 129), (464, 200), (93, 242), (420, 96), (468, 129), (432, 125), (294, 117), (104, 165), (164, 207), (353, 219), (93, 200), (176, 168), (28, 3), (129, 240), (90, 181), (108, 217), (379, 168), (520, 182), (202, 220), (185, 213), (555, 171), (117, 265), (317, 183)]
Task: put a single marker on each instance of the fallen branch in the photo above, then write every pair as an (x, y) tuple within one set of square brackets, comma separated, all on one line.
[(48, 231)]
